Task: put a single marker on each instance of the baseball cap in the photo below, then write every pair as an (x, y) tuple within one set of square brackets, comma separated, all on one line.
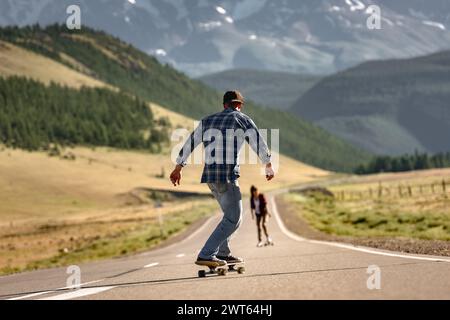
[(233, 96)]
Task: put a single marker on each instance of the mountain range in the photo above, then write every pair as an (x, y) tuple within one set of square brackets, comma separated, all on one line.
[(386, 107), (201, 37)]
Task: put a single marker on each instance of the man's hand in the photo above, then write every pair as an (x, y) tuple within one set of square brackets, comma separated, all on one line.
[(175, 176), (269, 172)]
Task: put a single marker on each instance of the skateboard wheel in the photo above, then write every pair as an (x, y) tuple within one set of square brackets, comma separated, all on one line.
[(241, 270), (201, 273), (222, 272)]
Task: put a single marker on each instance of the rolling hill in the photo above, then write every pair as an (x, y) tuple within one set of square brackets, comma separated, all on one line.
[(386, 107), (111, 61), (277, 90)]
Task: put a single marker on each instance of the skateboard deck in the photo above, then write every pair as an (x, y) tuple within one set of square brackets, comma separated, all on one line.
[(222, 270)]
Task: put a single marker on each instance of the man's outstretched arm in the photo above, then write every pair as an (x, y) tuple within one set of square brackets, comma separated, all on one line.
[(189, 146)]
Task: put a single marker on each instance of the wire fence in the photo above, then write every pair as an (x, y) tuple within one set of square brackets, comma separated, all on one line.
[(401, 190)]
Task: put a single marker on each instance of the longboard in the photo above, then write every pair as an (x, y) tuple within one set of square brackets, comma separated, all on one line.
[(223, 270)]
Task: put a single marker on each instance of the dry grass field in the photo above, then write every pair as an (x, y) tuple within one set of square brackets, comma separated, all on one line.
[(413, 205)]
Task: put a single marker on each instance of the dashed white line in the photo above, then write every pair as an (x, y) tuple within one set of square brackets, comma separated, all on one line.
[(78, 293), (30, 295), (151, 265), (181, 255), (347, 246)]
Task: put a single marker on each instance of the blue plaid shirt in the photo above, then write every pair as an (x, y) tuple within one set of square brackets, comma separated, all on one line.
[(222, 155)]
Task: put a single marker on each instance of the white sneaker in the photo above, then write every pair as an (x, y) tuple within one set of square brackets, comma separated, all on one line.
[(269, 241), (260, 244)]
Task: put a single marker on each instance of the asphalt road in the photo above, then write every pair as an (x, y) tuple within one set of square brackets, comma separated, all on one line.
[(295, 268)]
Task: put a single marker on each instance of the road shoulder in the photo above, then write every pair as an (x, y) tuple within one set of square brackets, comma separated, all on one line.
[(299, 226)]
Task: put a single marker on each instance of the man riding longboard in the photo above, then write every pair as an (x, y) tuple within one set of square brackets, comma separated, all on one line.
[(223, 135)]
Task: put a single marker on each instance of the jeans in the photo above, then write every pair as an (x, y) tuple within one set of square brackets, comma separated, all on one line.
[(228, 195)]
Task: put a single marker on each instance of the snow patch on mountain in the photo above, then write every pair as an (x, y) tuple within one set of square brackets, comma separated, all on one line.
[(221, 10), (355, 5), (434, 24)]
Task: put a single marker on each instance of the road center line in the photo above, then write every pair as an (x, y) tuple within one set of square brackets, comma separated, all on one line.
[(30, 295), (78, 293), (50, 291), (181, 255), (151, 265), (346, 246)]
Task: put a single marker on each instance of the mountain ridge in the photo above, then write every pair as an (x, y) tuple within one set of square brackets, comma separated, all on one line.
[(386, 107)]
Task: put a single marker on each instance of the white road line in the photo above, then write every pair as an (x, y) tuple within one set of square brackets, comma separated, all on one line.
[(30, 295), (181, 255), (46, 292), (78, 293), (347, 246), (151, 265), (281, 224)]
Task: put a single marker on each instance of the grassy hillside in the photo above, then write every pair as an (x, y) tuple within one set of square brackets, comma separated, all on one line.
[(276, 90), (386, 107), (111, 61), (16, 61)]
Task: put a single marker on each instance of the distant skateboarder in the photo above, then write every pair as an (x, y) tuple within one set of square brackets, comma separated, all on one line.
[(221, 170), (258, 206)]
